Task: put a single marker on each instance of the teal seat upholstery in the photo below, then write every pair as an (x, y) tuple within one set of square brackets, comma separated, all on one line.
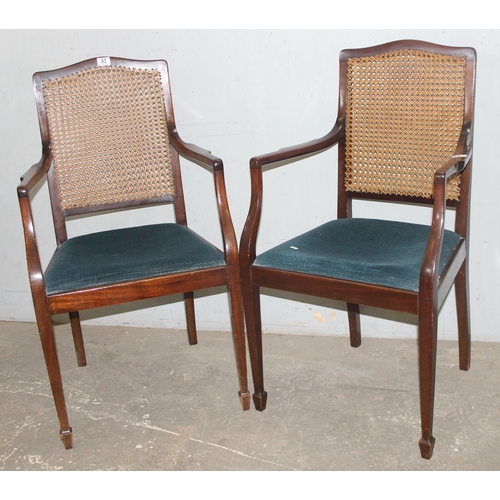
[(128, 254), (377, 252)]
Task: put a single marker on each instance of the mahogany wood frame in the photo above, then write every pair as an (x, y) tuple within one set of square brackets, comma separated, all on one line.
[(432, 291), (185, 283)]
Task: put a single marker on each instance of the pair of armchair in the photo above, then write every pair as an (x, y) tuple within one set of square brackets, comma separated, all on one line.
[(109, 141)]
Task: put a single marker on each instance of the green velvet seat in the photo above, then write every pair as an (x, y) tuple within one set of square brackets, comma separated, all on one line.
[(377, 252), (128, 254)]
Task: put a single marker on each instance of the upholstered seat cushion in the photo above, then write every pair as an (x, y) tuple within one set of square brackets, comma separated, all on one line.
[(372, 251), (128, 254)]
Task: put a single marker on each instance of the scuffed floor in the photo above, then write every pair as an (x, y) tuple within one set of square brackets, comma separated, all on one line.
[(149, 401)]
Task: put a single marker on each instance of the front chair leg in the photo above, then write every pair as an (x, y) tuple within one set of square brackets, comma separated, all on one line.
[(254, 332), (238, 322), (46, 332), (427, 347)]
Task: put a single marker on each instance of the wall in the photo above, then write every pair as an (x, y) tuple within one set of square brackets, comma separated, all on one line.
[(240, 93)]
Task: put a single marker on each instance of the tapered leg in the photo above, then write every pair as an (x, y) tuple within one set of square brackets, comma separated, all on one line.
[(50, 353), (251, 299), (427, 344), (190, 318), (238, 321), (463, 316), (76, 329), (354, 324)]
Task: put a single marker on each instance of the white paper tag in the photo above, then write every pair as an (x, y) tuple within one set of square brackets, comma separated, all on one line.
[(103, 61)]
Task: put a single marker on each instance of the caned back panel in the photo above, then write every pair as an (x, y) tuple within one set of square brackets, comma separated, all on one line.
[(108, 136), (404, 115)]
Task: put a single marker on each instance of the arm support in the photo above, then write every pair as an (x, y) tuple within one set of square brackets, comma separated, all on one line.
[(294, 153), (457, 163), (215, 165), (193, 152), (34, 174), (28, 181)]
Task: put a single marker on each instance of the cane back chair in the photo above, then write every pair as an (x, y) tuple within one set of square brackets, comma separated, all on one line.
[(404, 134), (109, 141)]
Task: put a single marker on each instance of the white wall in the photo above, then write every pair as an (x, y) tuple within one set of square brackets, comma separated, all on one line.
[(240, 93)]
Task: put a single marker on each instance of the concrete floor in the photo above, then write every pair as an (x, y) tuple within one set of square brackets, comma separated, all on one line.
[(147, 401)]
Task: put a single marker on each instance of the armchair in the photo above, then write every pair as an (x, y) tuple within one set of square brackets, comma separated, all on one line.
[(404, 135), (110, 142)]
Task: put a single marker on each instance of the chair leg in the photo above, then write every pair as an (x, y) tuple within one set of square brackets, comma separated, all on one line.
[(427, 347), (190, 318), (463, 316), (76, 329), (354, 324), (238, 322), (251, 299), (46, 332)]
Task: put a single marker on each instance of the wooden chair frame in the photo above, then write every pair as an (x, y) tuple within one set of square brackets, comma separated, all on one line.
[(118, 293), (432, 291)]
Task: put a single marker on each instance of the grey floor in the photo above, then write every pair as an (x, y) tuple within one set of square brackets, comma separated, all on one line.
[(147, 401)]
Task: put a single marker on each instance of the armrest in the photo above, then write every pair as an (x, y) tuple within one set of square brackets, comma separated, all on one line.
[(459, 159), (207, 159), (299, 150), (457, 162), (193, 152), (249, 235), (34, 174), (28, 181)]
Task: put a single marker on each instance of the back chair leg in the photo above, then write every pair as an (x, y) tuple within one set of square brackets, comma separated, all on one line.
[(354, 324), (427, 347), (46, 332), (190, 318), (463, 316), (76, 329)]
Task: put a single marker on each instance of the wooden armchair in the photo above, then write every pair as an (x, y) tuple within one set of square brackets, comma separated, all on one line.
[(109, 141), (404, 135)]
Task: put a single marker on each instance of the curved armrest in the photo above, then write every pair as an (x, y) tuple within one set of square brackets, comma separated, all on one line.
[(457, 162), (249, 235), (28, 181), (207, 159), (34, 174), (459, 159), (193, 152), (306, 148)]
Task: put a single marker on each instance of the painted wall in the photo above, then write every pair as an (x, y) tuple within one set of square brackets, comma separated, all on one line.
[(240, 93)]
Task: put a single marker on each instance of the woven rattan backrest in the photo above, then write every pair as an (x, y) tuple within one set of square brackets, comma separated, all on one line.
[(404, 115), (109, 137)]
